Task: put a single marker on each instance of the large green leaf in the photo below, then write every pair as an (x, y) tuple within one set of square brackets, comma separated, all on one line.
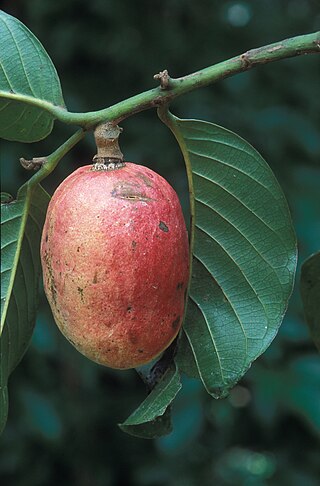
[(152, 418), (21, 226), (26, 71), (244, 253), (310, 292)]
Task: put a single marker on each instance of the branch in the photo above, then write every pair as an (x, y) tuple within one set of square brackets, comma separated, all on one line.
[(171, 88), (295, 46)]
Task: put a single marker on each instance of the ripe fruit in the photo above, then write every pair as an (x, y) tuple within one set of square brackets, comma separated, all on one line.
[(115, 261)]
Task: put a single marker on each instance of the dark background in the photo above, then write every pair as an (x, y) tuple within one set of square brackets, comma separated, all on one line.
[(64, 410)]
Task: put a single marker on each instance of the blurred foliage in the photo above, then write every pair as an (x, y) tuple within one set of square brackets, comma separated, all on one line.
[(64, 410)]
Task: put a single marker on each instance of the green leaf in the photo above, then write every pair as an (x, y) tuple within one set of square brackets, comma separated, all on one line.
[(21, 227), (310, 293), (243, 253), (29, 84), (152, 418), (185, 359)]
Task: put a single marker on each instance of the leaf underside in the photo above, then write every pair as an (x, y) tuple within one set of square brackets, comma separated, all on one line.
[(20, 270), (310, 292), (152, 418), (25, 69), (244, 255)]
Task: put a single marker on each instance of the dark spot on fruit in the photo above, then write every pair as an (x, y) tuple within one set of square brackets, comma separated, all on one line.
[(133, 338), (78, 249), (95, 278), (46, 238), (163, 227), (175, 323), (145, 179), (180, 286), (129, 191), (80, 290), (129, 308), (53, 291), (51, 281), (134, 244), (140, 350)]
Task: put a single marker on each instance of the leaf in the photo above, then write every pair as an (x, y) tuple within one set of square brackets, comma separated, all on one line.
[(243, 253), (152, 418), (185, 359), (27, 75), (310, 293), (21, 226)]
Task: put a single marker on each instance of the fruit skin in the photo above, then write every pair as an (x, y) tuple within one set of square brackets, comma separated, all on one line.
[(115, 262)]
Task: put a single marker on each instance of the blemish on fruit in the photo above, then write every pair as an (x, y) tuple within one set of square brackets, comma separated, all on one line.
[(133, 338), (134, 197), (134, 244), (95, 278), (130, 192), (175, 323), (145, 179), (46, 238), (180, 286), (80, 290), (50, 278), (163, 227)]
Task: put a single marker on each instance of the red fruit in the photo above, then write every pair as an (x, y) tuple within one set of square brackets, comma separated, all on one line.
[(115, 261)]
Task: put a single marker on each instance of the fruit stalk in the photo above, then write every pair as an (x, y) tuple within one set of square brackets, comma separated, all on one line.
[(109, 155)]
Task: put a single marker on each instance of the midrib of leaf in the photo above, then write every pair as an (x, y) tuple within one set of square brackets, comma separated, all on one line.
[(48, 106), (17, 254), (167, 118), (21, 58)]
